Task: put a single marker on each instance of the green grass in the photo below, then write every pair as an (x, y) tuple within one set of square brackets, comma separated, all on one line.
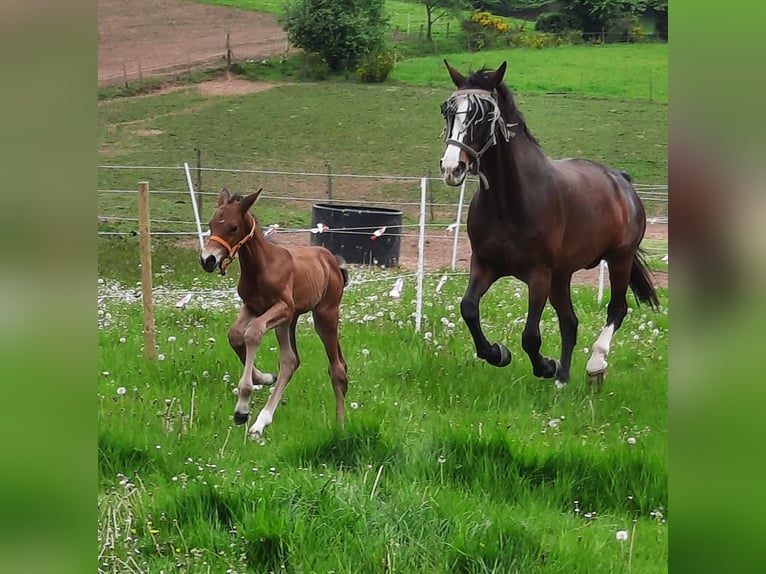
[(364, 129), (629, 71), (474, 477)]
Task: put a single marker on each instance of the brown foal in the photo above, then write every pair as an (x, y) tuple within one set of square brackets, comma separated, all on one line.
[(276, 285)]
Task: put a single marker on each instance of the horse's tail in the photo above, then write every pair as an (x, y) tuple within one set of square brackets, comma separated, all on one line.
[(641, 282), (343, 268)]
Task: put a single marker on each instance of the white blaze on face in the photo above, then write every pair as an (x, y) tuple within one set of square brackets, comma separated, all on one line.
[(451, 157)]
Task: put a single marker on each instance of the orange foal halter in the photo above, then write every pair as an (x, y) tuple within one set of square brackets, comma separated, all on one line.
[(226, 261)]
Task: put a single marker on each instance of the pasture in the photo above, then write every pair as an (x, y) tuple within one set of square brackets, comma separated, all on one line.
[(446, 464)]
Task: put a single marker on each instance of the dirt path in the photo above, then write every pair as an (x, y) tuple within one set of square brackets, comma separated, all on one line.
[(159, 37)]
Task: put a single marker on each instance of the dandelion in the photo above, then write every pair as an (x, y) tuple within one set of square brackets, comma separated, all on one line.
[(105, 373), (226, 377), (554, 423), (171, 339), (211, 340), (354, 405), (121, 390), (441, 459), (631, 440), (158, 447), (161, 357), (621, 535), (365, 352), (123, 339), (206, 374)]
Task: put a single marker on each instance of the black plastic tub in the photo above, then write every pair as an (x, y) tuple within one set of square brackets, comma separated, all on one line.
[(351, 233)]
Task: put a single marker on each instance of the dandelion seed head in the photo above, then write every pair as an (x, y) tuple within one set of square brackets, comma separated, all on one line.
[(354, 405), (631, 440), (171, 339), (121, 390), (123, 340), (161, 357), (621, 535)]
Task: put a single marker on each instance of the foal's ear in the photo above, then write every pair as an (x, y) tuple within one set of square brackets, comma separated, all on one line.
[(248, 202), (497, 76), (223, 197), (457, 78)]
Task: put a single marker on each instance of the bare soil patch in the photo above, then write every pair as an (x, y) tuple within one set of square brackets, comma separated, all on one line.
[(161, 37)]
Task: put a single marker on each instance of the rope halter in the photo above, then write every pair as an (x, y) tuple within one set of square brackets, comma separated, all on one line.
[(226, 261), (485, 107)]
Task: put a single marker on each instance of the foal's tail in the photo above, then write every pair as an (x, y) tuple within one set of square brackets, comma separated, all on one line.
[(641, 282), (343, 268)]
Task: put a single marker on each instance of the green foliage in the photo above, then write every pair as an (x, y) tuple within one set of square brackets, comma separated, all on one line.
[(376, 67), (339, 31), (555, 23)]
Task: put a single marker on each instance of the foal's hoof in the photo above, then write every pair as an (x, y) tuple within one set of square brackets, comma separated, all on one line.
[(596, 379), (500, 356), (240, 418)]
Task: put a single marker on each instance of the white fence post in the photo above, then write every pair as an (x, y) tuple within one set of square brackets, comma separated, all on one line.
[(457, 225), (421, 255), (194, 206), (601, 269)]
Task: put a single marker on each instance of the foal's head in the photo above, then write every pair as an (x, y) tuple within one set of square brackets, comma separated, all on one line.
[(230, 228), (473, 121)]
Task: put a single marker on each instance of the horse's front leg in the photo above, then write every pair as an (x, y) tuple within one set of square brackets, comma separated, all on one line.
[(254, 330), (561, 299), (237, 342), (539, 283), (494, 353)]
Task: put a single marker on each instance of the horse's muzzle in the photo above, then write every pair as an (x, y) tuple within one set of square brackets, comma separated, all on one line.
[(208, 263), (454, 176)]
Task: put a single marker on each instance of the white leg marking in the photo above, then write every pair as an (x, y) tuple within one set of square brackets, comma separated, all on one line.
[(597, 362), (263, 420)]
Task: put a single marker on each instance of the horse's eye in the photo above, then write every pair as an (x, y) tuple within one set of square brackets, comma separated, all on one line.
[(234, 229), (444, 108)]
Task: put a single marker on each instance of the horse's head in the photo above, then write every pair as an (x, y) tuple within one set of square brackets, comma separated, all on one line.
[(230, 228), (472, 121)]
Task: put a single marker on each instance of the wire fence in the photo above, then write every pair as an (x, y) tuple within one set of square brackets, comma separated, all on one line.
[(431, 234)]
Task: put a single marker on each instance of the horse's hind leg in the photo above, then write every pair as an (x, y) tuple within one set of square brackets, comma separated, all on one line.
[(237, 342), (326, 325), (494, 353), (289, 361), (561, 299), (539, 287), (619, 277)]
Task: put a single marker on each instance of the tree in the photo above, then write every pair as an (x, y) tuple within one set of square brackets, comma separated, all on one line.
[(595, 16), (438, 9), (340, 31)]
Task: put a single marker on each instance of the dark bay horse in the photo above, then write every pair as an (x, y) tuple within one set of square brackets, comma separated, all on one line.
[(276, 285), (540, 220)]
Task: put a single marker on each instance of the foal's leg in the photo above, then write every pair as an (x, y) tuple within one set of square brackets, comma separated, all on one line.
[(539, 284), (253, 334), (326, 325), (288, 364), (619, 276), (494, 353), (237, 342), (561, 299)]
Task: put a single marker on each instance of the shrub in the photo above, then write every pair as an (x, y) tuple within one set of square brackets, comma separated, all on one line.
[(376, 67), (316, 67), (483, 30), (340, 31), (555, 23)]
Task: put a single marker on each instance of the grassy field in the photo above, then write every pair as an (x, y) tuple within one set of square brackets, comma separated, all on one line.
[(627, 71), (445, 465), (390, 129)]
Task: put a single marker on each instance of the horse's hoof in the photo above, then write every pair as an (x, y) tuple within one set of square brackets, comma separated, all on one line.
[(240, 418), (596, 379), (503, 354)]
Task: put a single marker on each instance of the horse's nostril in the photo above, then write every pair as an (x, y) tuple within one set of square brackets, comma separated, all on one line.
[(208, 263)]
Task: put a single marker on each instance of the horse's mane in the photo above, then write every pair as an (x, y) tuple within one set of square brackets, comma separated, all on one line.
[(481, 79)]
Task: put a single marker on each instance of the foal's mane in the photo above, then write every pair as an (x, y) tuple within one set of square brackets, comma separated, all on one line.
[(482, 79)]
